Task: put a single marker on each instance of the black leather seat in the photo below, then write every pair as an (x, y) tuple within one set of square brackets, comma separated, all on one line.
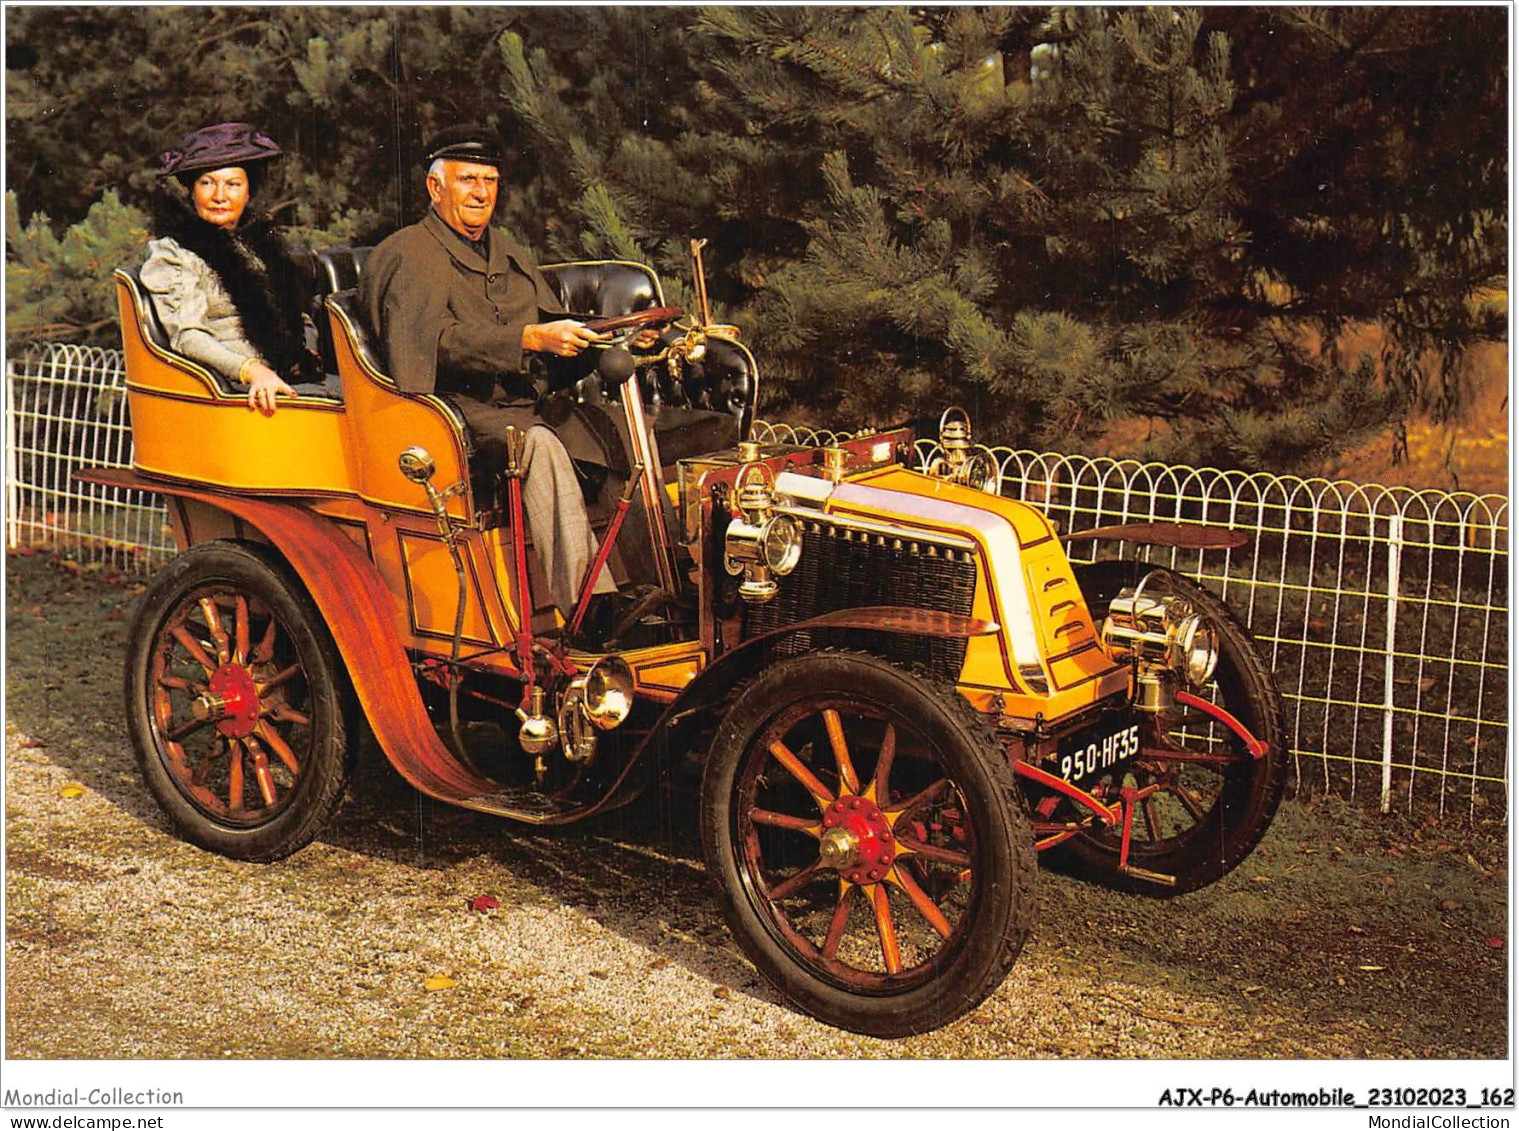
[(152, 328), (720, 388), (604, 288), (338, 268), (364, 344), (723, 381), (147, 313)]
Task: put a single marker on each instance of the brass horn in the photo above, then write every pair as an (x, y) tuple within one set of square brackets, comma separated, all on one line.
[(609, 692), (600, 698)]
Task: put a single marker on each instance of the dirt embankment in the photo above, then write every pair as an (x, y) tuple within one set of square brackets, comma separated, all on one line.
[(1344, 935)]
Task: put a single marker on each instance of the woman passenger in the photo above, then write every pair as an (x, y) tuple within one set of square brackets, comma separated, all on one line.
[(226, 292)]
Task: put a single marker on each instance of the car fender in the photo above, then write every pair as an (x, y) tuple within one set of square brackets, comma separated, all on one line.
[(363, 618), (705, 695), (1177, 535)]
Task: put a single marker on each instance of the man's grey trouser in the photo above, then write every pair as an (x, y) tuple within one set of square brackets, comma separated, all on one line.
[(551, 498), (556, 515)]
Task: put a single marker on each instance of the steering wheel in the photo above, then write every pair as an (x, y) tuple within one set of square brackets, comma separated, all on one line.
[(616, 364), (638, 320)]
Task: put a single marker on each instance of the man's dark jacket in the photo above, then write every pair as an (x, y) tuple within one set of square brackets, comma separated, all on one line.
[(451, 322)]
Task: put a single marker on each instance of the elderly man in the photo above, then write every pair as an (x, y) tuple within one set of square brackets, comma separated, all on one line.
[(461, 309)]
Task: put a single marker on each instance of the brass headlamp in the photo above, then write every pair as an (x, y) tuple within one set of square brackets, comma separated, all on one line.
[(958, 460), (1169, 640), (760, 544)]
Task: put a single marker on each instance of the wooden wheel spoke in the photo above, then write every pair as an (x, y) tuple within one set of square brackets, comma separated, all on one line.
[(923, 797), (1188, 799), (193, 646), (235, 775), (163, 710), (1152, 821), (279, 677), (185, 729), (261, 772), (840, 917), (835, 726), (219, 636), (1169, 752), (885, 919), (793, 884), (258, 777), (952, 857), (891, 953), (883, 766), (240, 630), (920, 899), (820, 792), (263, 652), (285, 713), (202, 771), (784, 821), (280, 747)]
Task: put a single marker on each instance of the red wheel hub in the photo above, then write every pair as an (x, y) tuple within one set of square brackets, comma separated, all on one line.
[(232, 701), (857, 840)]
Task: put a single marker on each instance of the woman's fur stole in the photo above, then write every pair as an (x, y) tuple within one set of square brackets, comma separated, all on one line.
[(267, 288)]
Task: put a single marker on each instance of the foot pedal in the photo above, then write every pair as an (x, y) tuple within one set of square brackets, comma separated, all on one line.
[(1145, 874)]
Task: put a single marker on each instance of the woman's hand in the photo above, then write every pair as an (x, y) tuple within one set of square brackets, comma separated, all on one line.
[(645, 339), (263, 385), (565, 338)]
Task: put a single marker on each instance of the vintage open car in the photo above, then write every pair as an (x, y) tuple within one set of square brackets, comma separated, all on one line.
[(897, 687)]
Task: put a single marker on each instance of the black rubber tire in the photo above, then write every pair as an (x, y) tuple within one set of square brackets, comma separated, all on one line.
[(255, 573), (939, 737), (1249, 792)]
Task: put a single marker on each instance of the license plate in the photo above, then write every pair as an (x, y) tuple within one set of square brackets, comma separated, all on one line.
[(1096, 749)]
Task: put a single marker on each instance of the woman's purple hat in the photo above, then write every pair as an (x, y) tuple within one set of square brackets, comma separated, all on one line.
[(217, 147)]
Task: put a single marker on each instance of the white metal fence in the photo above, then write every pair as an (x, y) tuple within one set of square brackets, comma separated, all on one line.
[(1384, 611), (66, 408)]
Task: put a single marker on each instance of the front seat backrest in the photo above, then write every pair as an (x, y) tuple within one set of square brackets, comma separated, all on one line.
[(605, 287)]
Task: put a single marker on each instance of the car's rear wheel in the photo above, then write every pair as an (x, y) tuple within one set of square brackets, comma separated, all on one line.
[(235, 703), (868, 843)]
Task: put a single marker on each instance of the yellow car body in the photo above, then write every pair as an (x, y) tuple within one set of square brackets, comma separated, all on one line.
[(829, 617)]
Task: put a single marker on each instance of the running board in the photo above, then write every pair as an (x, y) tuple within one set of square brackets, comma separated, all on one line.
[(523, 803), (362, 616)]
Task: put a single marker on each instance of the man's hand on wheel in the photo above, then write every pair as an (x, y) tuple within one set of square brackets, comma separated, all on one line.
[(564, 338)]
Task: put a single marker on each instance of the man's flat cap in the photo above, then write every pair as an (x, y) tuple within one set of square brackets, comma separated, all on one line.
[(480, 144)]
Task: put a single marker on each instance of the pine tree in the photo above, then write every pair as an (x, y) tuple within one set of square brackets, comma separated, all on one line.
[(61, 289), (1146, 229), (94, 94)]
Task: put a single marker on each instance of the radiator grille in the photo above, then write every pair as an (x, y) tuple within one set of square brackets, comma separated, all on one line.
[(846, 569)]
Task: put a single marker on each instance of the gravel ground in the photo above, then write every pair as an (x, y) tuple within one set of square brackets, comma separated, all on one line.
[(1344, 936)]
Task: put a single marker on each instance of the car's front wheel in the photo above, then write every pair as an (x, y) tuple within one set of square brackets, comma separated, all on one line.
[(868, 843)]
